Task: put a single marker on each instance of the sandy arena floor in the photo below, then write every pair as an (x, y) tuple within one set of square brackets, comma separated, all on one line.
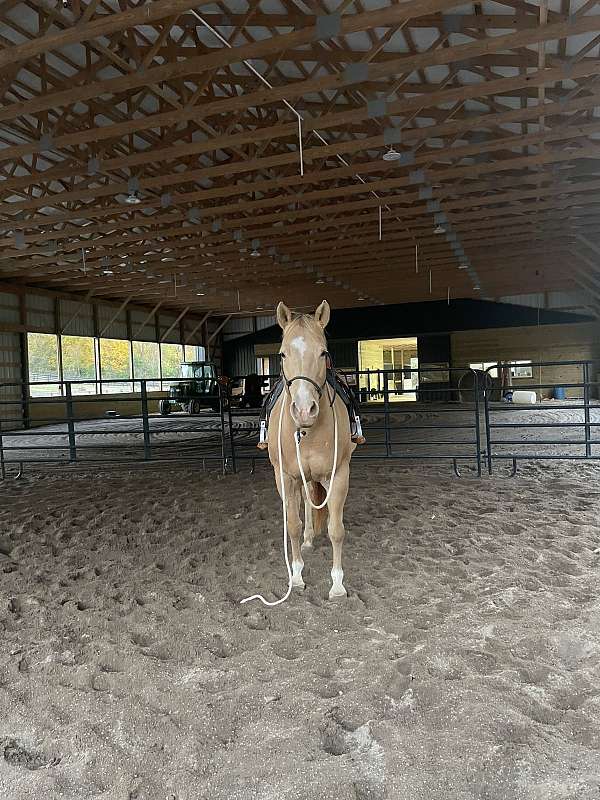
[(465, 664)]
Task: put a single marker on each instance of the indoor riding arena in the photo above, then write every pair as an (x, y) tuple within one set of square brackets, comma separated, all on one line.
[(299, 400)]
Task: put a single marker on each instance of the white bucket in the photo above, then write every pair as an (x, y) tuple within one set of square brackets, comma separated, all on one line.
[(522, 396)]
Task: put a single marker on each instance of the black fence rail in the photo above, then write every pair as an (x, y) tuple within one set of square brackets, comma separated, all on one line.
[(457, 416), (426, 429), (68, 428), (560, 425)]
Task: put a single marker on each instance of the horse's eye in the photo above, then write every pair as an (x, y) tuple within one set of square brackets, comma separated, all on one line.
[(282, 355), (324, 354)]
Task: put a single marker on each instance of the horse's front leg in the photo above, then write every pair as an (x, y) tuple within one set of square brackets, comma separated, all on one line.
[(293, 496), (336, 530)]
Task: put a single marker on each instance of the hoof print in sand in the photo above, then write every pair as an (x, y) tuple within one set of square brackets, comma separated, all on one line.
[(16, 754), (365, 754)]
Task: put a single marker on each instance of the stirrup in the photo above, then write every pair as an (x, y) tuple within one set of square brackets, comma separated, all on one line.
[(262, 440), (358, 437)]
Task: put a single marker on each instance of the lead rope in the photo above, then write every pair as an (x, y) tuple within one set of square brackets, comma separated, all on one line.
[(284, 503), (285, 530), (333, 469)]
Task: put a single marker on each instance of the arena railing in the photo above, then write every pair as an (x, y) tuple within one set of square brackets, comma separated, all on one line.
[(449, 430), (578, 416), (65, 428)]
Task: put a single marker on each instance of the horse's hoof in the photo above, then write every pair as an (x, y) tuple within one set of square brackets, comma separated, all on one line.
[(335, 594), (307, 547), (298, 585)]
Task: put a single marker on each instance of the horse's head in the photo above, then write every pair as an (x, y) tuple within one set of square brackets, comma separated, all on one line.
[(304, 360)]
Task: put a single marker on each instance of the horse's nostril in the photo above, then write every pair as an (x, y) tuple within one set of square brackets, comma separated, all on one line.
[(314, 409)]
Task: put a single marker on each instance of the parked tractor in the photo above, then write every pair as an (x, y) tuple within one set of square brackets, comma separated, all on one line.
[(198, 388)]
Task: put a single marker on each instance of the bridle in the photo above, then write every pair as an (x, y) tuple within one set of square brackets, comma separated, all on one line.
[(328, 370)]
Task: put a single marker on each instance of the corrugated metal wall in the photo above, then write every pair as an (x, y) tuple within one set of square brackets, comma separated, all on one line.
[(46, 313), (139, 317), (265, 322), (239, 360), (76, 318), (165, 322), (40, 313), (10, 372), (110, 327)]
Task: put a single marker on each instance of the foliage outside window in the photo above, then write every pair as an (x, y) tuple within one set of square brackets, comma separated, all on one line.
[(43, 363), (171, 356), (90, 359), (194, 352), (79, 362), (115, 365), (146, 364)]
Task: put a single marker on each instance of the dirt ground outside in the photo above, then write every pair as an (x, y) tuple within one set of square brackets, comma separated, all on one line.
[(464, 665)]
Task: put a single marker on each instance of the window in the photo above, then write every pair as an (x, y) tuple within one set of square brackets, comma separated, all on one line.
[(194, 352), (171, 356), (146, 364), (485, 365), (79, 362), (115, 365), (523, 370), (43, 364)]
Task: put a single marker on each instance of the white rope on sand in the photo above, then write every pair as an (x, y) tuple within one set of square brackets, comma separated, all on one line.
[(285, 529), (284, 500)]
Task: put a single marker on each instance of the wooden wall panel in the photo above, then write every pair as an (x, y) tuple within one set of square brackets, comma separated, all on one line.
[(543, 343)]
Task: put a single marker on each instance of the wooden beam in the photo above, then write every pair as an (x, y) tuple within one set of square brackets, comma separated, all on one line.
[(190, 335), (334, 120), (349, 24), (115, 315), (177, 321), (147, 319), (78, 310), (218, 329), (104, 26)]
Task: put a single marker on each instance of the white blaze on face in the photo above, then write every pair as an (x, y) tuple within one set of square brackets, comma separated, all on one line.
[(299, 345), (302, 394)]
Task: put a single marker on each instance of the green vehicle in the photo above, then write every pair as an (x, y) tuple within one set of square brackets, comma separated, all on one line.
[(200, 389)]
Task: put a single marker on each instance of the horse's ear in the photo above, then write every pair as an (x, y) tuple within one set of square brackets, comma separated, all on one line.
[(284, 316), (322, 314)]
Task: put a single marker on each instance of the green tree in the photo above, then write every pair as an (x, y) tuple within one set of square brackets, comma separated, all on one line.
[(43, 355)]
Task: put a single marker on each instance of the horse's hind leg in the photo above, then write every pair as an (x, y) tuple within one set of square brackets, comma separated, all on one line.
[(294, 525), (309, 531), (336, 529)]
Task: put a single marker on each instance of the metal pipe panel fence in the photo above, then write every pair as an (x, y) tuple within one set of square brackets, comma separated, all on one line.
[(68, 428), (457, 416), (403, 424)]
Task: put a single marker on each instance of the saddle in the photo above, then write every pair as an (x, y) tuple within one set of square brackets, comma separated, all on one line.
[(337, 385)]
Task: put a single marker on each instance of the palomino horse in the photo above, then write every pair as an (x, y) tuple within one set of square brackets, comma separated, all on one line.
[(313, 438)]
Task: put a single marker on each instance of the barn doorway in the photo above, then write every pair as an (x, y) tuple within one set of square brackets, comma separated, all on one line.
[(399, 357)]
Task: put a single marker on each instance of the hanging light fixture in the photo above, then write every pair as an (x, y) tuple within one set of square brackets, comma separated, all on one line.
[(391, 154), (133, 187), (438, 229)]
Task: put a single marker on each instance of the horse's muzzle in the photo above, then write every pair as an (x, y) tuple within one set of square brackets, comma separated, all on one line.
[(304, 415)]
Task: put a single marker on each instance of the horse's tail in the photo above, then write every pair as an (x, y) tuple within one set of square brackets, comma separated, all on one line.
[(318, 494)]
